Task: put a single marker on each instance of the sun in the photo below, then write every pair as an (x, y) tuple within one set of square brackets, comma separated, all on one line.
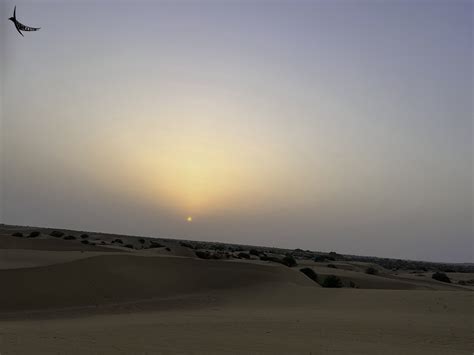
[(189, 219)]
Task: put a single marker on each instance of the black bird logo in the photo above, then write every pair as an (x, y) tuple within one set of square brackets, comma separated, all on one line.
[(19, 26)]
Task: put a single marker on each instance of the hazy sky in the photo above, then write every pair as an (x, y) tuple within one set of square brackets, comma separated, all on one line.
[(323, 125)]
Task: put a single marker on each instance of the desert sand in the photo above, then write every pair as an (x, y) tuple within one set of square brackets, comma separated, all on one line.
[(67, 297)]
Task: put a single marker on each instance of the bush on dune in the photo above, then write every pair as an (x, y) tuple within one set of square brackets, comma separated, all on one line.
[(371, 271), (34, 234), (69, 237), (289, 261), (332, 281), (17, 234), (310, 273), (186, 245), (243, 256), (56, 234), (441, 276), (154, 245), (84, 236), (203, 254)]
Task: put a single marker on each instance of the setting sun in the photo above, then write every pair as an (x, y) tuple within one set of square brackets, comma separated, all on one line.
[(189, 219)]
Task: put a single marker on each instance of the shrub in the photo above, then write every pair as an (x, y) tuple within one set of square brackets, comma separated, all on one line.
[(310, 273), (56, 234), (186, 245), (84, 241), (332, 266), (332, 281), (142, 241), (130, 246), (119, 241), (168, 249), (289, 261), (18, 234), (352, 284), (155, 245), (243, 255), (34, 234), (462, 282), (371, 271), (254, 252), (319, 258), (84, 236), (69, 237), (441, 276), (203, 254)]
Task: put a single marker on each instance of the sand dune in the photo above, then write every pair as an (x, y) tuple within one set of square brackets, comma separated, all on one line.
[(107, 279), (64, 297)]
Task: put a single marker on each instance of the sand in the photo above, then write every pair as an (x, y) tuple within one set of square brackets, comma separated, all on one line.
[(109, 301)]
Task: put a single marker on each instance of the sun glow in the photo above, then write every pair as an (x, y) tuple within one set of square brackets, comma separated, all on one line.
[(189, 219)]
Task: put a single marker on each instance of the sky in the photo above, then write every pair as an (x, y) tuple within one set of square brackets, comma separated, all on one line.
[(321, 125)]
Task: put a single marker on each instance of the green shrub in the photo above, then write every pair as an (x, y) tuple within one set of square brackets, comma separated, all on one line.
[(142, 241), (203, 254), (118, 241), (84, 236), (18, 234), (441, 276), (69, 237), (34, 234), (371, 271), (129, 246), (254, 252), (56, 234), (85, 241), (243, 255), (289, 261), (154, 245), (310, 273), (332, 281), (332, 266), (186, 245)]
